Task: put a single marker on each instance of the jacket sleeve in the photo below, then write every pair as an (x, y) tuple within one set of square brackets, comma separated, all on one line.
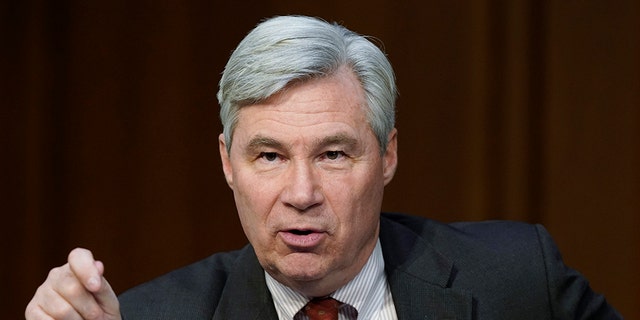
[(570, 295)]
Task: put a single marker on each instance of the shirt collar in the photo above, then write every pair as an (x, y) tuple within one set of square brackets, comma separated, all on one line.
[(365, 292)]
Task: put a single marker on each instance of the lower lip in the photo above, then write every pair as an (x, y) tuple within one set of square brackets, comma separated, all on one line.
[(299, 242)]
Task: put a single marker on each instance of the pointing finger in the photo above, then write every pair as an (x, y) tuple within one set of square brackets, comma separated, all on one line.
[(90, 272), (84, 266)]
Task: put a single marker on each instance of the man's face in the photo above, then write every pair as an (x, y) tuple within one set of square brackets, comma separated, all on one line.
[(307, 176)]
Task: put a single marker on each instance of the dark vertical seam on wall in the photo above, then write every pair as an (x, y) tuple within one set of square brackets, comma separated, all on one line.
[(55, 205), (537, 109), (495, 164)]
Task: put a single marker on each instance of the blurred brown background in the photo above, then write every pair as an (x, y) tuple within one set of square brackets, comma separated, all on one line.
[(525, 110)]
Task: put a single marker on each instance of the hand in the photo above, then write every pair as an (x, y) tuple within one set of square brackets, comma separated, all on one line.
[(76, 290)]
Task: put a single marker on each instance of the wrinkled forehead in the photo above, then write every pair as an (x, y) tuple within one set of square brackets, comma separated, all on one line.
[(318, 112)]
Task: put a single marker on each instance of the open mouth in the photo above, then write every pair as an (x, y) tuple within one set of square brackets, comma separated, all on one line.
[(301, 232), (302, 239)]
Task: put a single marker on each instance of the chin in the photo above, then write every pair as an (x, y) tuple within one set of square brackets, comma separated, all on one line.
[(301, 268)]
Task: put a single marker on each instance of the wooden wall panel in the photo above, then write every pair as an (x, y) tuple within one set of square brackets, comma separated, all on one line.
[(525, 110)]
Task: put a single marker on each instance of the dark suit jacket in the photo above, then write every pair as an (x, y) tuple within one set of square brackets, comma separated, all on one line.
[(486, 270)]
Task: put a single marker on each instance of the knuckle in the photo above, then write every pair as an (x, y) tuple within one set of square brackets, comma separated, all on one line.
[(70, 288), (61, 279), (61, 311), (55, 273), (92, 313), (41, 294), (58, 274), (31, 311)]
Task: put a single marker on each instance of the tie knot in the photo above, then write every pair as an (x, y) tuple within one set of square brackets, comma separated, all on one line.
[(322, 309)]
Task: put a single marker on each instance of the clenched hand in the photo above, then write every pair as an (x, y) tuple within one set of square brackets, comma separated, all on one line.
[(76, 290)]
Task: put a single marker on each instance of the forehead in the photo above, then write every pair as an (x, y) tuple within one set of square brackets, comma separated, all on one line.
[(332, 103)]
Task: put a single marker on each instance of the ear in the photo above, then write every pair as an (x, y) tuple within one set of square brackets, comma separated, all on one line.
[(390, 157), (226, 160)]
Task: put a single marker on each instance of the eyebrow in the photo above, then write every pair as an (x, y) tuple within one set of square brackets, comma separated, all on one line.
[(259, 142), (341, 139)]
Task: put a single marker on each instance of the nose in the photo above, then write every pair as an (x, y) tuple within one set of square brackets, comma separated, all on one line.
[(302, 187)]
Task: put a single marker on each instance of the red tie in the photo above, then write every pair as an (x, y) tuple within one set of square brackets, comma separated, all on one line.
[(322, 309)]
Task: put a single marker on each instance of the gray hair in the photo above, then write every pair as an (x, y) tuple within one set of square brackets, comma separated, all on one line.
[(284, 49)]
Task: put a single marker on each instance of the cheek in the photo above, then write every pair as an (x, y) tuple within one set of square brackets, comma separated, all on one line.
[(253, 202), (359, 189), (356, 200)]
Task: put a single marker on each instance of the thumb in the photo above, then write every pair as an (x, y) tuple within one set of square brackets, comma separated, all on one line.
[(107, 299)]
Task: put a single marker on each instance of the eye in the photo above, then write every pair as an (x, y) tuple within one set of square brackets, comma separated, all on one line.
[(334, 155), (269, 156)]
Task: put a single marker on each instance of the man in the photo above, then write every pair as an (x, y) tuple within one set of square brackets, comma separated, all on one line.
[(309, 144)]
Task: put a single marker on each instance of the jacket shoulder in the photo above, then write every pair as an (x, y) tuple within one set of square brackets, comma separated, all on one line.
[(491, 232), (507, 266), (492, 246)]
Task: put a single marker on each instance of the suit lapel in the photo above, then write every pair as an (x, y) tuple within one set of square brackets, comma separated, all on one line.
[(419, 277), (245, 294)]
